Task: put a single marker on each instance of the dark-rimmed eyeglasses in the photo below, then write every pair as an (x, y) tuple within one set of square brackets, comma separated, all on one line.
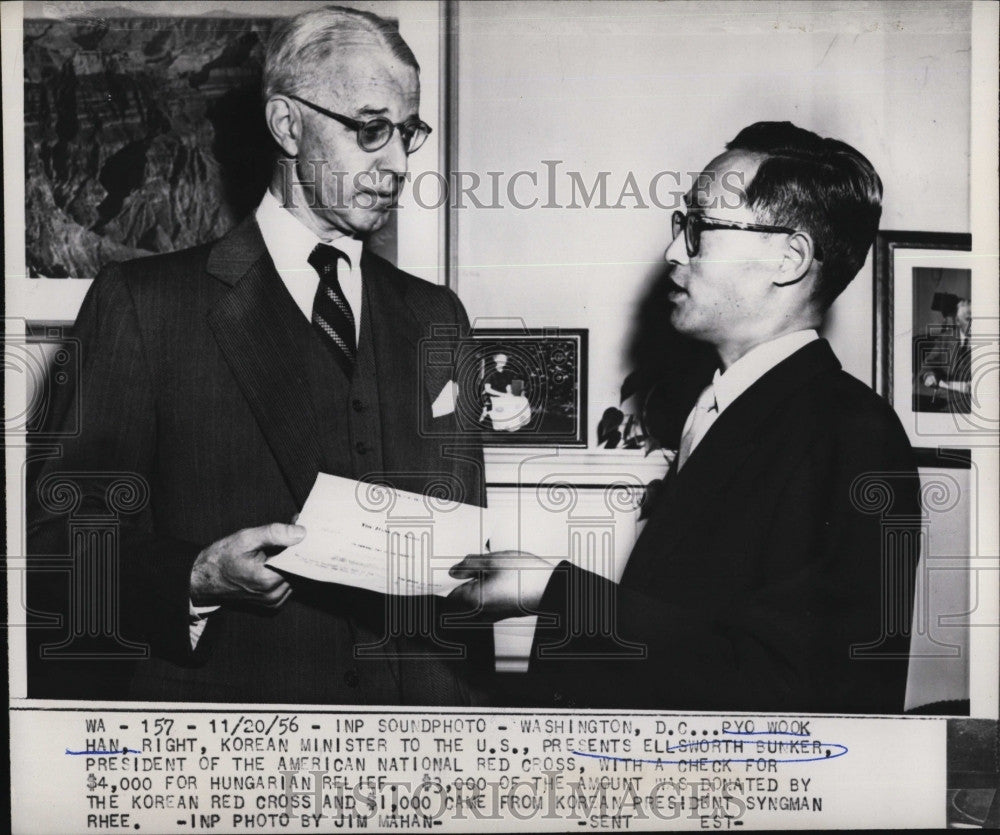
[(376, 133), (692, 224)]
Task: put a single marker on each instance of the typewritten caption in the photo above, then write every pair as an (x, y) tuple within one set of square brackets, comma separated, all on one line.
[(308, 771)]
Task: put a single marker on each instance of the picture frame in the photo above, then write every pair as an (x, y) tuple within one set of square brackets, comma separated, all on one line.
[(924, 349), (183, 145), (523, 387)]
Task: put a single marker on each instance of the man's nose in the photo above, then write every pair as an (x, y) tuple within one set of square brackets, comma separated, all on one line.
[(676, 252), (393, 158)]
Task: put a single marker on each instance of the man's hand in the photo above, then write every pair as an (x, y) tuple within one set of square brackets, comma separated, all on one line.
[(505, 584), (930, 379), (233, 570)]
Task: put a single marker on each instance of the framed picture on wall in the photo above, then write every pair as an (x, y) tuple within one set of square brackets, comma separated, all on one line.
[(925, 350), (522, 387), (144, 133)]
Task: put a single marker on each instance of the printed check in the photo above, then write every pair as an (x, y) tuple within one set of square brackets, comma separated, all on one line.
[(374, 537)]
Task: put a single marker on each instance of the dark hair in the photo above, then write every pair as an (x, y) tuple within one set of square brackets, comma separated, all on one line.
[(821, 186)]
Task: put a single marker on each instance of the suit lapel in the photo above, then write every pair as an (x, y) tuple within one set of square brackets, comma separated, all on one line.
[(724, 449), (396, 333), (260, 332)]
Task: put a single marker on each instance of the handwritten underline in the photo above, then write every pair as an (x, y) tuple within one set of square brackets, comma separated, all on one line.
[(694, 743)]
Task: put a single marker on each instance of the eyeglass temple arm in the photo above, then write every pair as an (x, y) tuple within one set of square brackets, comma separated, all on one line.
[(344, 120), (709, 222), (354, 124)]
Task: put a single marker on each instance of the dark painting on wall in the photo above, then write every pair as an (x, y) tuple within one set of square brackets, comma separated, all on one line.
[(142, 135)]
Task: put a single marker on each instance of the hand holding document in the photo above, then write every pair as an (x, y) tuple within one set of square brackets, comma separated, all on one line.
[(374, 537)]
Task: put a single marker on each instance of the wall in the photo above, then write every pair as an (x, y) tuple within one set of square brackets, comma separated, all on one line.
[(647, 87), (641, 88)]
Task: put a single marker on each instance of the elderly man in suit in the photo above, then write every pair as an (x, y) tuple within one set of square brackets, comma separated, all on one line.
[(227, 376), (775, 570)]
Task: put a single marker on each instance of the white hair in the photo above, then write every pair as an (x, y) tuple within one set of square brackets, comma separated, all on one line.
[(301, 42)]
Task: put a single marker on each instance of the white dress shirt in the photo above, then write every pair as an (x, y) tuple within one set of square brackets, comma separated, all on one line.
[(742, 374), (289, 243)]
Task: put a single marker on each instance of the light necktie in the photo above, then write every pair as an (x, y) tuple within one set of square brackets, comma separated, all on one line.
[(705, 412), (332, 316)]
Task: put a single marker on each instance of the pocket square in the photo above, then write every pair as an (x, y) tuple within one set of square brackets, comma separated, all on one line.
[(445, 402)]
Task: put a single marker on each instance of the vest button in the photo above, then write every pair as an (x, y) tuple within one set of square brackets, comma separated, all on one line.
[(357, 405), (361, 447)]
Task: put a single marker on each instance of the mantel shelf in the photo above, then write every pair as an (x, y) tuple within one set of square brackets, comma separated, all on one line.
[(514, 466)]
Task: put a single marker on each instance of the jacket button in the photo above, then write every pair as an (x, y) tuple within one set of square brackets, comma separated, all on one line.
[(351, 678), (361, 447), (357, 405)]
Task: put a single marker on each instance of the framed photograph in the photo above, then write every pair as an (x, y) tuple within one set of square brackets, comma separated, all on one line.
[(524, 387), (925, 349)]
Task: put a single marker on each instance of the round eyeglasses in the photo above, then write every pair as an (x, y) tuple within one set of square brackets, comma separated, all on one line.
[(376, 133), (692, 224)]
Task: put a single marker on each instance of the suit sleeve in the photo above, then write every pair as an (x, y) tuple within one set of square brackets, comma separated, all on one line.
[(115, 400), (784, 642)]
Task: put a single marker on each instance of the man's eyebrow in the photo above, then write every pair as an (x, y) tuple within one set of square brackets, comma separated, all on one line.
[(372, 111)]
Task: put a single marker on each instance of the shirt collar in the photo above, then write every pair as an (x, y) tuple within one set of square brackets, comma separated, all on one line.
[(289, 241), (754, 364)]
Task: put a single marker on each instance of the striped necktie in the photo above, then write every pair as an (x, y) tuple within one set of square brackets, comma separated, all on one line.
[(332, 316)]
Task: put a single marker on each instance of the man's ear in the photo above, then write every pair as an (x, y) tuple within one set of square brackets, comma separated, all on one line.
[(798, 257), (285, 124)]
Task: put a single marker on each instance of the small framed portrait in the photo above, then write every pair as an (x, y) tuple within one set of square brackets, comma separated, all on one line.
[(926, 349), (523, 387)]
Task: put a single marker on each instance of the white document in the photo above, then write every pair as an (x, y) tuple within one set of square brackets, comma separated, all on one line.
[(374, 537)]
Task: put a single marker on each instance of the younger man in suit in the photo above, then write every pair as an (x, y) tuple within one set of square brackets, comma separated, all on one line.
[(776, 569)]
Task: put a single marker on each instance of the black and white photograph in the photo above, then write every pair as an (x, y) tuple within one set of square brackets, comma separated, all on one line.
[(927, 353), (942, 357), (524, 389), (501, 416)]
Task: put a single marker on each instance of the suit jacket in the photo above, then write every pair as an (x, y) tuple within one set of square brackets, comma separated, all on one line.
[(775, 571), (202, 377)]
